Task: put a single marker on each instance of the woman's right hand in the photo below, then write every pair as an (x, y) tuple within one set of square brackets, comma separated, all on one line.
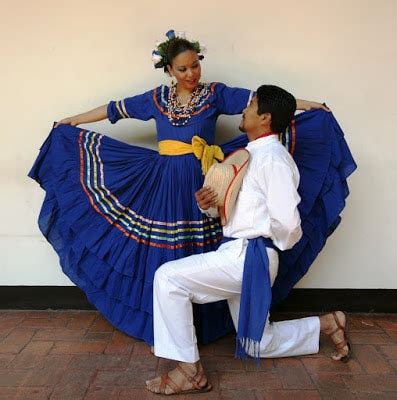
[(67, 121)]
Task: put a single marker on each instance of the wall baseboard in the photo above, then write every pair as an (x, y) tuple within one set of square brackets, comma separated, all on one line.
[(350, 300), (305, 300)]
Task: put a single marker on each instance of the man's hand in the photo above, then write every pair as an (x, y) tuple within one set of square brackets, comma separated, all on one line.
[(310, 105), (206, 198)]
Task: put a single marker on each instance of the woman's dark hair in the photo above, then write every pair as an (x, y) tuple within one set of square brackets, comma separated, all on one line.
[(177, 46), (279, 103)]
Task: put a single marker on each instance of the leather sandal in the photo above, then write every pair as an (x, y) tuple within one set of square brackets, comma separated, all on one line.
[(194, 380), (346, 354)]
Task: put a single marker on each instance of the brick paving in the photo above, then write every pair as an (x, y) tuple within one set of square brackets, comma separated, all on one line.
[(78, 355)]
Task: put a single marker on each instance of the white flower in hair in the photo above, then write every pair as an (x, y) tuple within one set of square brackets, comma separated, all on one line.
[(181, 34), (156, 58), (203, 48), (157, 44)]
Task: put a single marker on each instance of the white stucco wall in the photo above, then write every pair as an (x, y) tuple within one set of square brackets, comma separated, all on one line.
[(59, 58)]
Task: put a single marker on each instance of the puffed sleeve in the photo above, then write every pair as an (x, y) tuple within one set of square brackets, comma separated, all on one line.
[(282, 202), (139, 107), (230, 100)]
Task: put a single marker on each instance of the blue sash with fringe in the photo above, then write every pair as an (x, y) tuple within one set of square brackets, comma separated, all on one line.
[(256, 297)]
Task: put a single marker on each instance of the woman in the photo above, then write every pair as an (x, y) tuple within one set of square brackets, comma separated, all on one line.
[(115, 212)]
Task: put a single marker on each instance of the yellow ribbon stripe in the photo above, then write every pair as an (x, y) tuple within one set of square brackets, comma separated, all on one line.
[(208, 155)]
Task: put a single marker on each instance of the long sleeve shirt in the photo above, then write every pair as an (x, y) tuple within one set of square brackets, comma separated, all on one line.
[(268, 199)]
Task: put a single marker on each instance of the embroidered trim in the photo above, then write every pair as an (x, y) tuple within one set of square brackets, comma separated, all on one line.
[(124, 109), (288, 138), (120, 110), (250, 97), (293, 128), (165, 112), (132, 225)]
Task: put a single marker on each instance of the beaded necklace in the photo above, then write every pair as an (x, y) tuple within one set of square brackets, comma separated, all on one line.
[(178, 114)]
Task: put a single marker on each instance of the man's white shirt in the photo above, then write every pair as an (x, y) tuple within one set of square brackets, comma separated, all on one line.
[(268, 199)]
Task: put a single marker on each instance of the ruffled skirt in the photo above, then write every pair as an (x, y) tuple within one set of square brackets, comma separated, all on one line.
[(115, 212)]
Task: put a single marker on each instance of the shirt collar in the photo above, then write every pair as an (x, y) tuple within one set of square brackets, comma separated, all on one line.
[(262, 142)]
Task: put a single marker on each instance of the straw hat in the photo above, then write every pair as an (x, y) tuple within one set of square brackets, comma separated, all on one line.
[(226, 179)]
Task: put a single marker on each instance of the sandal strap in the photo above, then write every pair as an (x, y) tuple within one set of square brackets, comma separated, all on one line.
[(163, 383), (341, 344), (339, 326), (167, 381), (340, 347), (337, 320), (192, 379)]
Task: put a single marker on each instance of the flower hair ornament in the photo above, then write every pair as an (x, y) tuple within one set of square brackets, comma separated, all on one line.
[(159, 55)]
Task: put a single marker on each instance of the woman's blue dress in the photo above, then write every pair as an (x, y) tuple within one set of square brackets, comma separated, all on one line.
[(115, 212)]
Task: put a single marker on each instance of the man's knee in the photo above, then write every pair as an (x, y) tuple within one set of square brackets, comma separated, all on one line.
[(164, 274)]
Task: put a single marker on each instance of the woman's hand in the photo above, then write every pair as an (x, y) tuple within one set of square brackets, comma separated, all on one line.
[(67, 121), (311, 105)]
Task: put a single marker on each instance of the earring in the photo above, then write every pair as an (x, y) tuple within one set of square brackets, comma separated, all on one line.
[(173, 81)]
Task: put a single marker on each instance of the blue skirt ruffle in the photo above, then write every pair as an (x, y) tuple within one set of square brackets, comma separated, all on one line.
[(323, 158), (115, 212)]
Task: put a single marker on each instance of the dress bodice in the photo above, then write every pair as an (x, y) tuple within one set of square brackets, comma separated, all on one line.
[(218, 99)]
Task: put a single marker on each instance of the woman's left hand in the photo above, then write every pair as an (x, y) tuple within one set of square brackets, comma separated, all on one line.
[(311, 105)]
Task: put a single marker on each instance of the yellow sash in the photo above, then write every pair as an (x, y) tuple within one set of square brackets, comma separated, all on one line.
[(208, 155)]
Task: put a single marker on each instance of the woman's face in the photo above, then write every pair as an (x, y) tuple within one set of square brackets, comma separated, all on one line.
[(186, 69)]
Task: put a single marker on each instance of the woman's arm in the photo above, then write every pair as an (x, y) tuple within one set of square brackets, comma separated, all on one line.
[(233, 100), (310, 105), (97, 114)]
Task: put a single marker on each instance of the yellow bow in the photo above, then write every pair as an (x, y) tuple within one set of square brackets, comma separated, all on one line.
[(208, 155)]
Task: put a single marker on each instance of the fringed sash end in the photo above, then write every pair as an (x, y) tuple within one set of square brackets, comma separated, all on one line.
[(245, 347)]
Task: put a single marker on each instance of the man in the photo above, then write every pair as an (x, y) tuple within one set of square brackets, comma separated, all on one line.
[(265, 214)]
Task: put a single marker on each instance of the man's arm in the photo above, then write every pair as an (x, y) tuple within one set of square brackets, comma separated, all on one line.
[(282, 203)]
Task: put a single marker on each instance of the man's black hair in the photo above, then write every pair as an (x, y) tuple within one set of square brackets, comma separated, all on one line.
[(279, 103)]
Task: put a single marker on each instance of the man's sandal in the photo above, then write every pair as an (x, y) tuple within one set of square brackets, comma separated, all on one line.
[(346, 354), (194, 380)]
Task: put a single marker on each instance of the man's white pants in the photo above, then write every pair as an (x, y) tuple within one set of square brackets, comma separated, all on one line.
[(214, 276)]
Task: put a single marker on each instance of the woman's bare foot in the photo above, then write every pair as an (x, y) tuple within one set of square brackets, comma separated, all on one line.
[(334, 325), (185, 378)]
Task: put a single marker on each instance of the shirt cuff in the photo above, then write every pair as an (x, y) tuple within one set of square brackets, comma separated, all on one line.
[(212, 212)]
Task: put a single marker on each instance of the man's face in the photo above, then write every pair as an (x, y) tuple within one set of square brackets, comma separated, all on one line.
[(250, 120)]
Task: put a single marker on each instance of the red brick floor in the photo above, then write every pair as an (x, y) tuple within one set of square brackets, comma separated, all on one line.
[(78, 355)]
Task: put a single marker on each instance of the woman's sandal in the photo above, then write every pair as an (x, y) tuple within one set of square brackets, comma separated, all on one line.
[(194, 380), (346, 354)]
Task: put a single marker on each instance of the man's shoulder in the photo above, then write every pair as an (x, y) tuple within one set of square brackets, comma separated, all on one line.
[(275, 152), (276, 157)]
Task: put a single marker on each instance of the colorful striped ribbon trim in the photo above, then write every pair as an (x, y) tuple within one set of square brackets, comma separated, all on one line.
[(170, 235)]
